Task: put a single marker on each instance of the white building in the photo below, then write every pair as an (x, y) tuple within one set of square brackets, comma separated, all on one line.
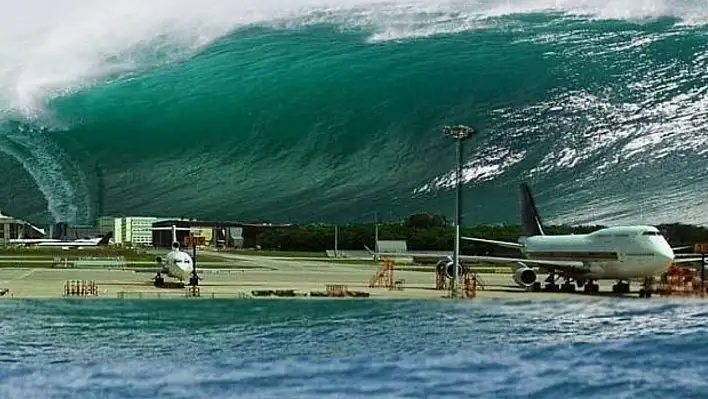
[(129, 230)]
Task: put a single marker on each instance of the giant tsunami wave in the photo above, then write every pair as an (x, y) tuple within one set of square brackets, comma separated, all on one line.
[(331, 110)]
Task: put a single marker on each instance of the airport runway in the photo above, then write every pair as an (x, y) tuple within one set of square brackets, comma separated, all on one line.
[(259, 273)]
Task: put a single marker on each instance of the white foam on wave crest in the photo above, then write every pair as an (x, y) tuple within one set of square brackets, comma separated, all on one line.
[(49, 50), (642, 117), (397, 20), (486, 165), (689, 11)]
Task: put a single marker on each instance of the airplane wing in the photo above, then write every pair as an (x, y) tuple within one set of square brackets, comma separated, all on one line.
[(540, 262), (506, 244), (691, 255), (681, 248), (68, 244), (543, 263), (686, 260)]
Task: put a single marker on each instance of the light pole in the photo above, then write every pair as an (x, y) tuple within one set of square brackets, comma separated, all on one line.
[(336, 241), (459, 133), (375, 214)]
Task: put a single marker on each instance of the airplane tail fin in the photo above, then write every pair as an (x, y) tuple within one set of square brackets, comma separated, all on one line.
[(105, 239), (530, 219)]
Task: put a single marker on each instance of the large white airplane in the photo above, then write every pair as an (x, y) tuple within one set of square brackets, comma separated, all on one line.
[(50, 242), (621, 253)]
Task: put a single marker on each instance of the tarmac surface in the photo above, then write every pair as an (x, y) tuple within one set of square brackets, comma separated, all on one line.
[(249, 273)]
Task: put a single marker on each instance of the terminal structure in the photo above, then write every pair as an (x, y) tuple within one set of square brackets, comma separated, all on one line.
[(12, 228)]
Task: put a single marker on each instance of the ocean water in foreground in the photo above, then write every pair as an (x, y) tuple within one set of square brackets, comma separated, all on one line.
[(323, 349)]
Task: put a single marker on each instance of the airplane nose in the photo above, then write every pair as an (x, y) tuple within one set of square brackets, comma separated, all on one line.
[(665, 253)]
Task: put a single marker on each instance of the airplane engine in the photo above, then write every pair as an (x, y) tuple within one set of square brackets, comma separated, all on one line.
[(524, 276), (440, 267), (450, 270), (445, 268)]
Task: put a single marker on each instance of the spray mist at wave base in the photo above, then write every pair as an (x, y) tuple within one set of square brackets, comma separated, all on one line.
[(303, 118)]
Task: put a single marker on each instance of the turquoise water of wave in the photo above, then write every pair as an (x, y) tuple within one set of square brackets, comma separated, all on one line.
[(363, 349), (322, 122)]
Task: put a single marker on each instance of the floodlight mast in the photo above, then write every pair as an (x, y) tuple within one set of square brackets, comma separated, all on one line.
[(459, 133)]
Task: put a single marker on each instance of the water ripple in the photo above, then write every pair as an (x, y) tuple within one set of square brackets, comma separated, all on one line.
[(114, 349)]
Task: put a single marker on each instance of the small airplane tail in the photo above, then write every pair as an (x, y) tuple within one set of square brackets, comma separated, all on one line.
[(104, 241), (530, 219)]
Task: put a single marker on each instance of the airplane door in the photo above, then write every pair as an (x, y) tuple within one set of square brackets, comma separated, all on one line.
[(621, 256)]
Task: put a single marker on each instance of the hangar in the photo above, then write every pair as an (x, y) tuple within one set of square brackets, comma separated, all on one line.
[(216, 234), (12, 228)]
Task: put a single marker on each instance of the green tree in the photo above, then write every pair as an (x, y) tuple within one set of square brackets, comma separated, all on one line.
[(430, 232)]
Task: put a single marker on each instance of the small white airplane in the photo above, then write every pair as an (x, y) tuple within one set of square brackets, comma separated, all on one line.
[(621, 253), (176, 264), (50, 242)]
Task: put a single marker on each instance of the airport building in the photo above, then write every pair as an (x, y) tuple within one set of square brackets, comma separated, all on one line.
[(129, 230), (12, 228), (216, 234)]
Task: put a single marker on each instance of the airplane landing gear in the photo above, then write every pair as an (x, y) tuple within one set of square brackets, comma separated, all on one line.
[(568, 286), (591, 287), (159, 280), (551, 285), (621, 288), (647, 288)]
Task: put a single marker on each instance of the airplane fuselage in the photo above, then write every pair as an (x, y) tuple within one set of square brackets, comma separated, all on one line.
[(77, 243), (51, 242), (178, 265), (623, 252)]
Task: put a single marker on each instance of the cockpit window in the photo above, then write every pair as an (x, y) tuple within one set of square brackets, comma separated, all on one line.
[(651, 233)]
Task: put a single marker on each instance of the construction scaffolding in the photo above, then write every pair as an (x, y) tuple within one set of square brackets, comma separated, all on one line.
[(470, 285), (469, 282), (467, 289), (440, 280), (383, 276), (80, 288), (192, 291)]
